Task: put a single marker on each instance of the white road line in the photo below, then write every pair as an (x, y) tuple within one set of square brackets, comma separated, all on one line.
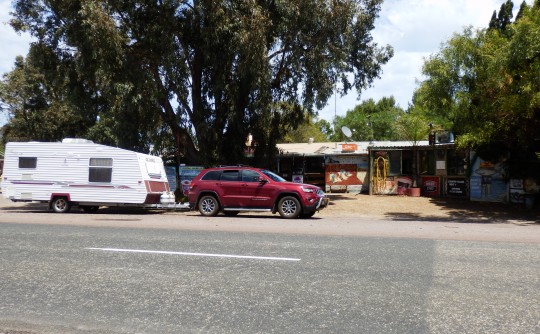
[(195, 254)]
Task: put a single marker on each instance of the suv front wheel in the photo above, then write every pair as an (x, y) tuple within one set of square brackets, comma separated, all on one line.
[(289, 207), (208, 206)]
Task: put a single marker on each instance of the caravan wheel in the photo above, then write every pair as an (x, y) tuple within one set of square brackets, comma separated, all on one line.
[(61, 205)]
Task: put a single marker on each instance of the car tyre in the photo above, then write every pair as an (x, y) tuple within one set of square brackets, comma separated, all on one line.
[(307, 215), (208, 206), (61, 205), (289, 207)]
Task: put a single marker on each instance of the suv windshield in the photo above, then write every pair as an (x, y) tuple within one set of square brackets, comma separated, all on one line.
[(273, 176)]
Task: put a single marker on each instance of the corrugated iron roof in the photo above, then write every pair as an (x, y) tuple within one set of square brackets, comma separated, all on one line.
[(336, 147)]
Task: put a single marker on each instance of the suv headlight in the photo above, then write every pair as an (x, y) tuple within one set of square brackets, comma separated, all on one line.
[(307, 190)]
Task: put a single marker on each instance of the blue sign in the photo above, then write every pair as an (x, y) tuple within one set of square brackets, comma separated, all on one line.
[(488, 180)]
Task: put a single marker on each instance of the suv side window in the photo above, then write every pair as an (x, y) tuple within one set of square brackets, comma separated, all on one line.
[(250, 176), (212, 175), (230, 175)]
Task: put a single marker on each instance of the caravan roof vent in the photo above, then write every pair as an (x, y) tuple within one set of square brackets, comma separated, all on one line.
[(76, 141)]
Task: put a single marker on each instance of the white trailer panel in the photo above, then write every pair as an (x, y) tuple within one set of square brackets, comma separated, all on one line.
[(84, 173)]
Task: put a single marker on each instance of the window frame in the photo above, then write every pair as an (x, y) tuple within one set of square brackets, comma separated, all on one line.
[(252, 176), (211, 175), (225, 173), (99, 173), (32, 162)]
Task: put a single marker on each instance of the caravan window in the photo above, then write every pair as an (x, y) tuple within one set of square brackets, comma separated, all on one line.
[(100, 170), (153, 168), (25, 162)]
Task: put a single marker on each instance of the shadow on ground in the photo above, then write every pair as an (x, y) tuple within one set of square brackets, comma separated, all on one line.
[(43, 208), (454, 210), (466, 211)]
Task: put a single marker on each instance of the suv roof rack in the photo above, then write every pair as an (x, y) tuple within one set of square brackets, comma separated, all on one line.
[(239, 165)]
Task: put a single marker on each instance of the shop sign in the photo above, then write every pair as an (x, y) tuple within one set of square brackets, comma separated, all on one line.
[(348, 147), (456, 187), (488, 180), (430, 186), (343, 174)]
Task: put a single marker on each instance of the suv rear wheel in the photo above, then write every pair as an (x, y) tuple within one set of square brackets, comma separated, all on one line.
[(289, 207), (208, 205)]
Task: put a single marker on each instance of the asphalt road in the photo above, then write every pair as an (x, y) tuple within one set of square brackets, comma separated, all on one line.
[(64, 278)]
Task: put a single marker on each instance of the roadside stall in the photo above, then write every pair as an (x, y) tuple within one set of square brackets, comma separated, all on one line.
[(441, 169), (335, 167)]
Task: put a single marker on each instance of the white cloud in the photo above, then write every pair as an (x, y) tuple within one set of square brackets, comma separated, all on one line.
[(11, 44), (415, 29)]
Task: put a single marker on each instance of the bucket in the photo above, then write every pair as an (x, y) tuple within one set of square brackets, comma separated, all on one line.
[(413, 192)]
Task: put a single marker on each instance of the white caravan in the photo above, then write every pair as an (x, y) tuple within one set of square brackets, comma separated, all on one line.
[(80, 172)]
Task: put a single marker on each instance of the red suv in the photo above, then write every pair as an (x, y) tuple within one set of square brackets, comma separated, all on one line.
[(235, 189)]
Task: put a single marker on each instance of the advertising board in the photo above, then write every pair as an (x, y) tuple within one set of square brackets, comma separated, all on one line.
[(431, 186), (456, 187)]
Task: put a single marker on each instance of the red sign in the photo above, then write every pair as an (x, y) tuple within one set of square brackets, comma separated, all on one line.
[(431, 186), (348, 147)]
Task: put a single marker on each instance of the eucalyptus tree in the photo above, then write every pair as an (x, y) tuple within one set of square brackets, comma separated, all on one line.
[(504, 18), (210, 72), (484, 85), (36, 101)]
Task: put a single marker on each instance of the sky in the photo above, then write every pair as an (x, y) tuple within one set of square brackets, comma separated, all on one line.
[(415, 29)]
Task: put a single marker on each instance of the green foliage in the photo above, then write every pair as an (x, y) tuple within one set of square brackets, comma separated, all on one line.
[(306, 131), (484, 85), (325, 127), (370, 120), (501, 21), (211, 72), (413, 127), (36, 101)]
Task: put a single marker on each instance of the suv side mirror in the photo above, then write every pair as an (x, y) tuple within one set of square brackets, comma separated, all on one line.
[(262, 180)]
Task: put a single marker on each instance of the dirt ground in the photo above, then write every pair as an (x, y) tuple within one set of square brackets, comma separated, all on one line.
[(424, 208), (390, 207)]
